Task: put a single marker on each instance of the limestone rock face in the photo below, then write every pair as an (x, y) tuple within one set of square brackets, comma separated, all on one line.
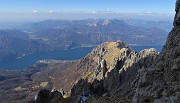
[(116, 65)]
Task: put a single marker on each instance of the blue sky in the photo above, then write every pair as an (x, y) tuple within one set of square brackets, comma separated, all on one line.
[(59, 9), (133, 6)]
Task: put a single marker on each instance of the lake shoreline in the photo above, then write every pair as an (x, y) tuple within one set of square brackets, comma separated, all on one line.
[(69, 54)]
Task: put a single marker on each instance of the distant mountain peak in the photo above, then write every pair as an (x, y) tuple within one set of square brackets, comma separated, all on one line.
[(106, 22)]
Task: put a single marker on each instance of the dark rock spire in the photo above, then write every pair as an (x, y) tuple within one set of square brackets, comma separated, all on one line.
[(177, 16)]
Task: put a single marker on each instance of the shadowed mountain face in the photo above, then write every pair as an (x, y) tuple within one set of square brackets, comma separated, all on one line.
[(113, 73)]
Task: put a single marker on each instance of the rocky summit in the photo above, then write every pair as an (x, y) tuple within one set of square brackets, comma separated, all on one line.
[(114, 73), (106, 72)]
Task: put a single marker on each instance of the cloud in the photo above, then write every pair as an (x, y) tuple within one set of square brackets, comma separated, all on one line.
[(50, 12), (35, 11), (95, 12), (108, 10)]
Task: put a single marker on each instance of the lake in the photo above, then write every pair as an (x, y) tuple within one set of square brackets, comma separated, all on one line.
[(25, 61), (73, 54)]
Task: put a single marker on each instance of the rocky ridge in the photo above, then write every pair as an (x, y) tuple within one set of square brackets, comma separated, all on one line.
[(108, 64), (116, 79)]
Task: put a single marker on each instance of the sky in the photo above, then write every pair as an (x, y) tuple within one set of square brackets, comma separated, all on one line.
[(55, 8)]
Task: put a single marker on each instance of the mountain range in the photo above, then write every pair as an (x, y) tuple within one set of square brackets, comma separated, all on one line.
[(67, 34)]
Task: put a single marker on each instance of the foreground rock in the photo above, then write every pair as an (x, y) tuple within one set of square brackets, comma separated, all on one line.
[(45, 96)]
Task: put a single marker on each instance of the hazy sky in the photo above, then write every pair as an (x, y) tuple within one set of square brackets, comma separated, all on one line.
[(10, 8)]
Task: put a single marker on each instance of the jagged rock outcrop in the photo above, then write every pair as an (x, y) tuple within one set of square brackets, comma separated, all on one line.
[(45, 96), (116, 64), (177, 15)]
